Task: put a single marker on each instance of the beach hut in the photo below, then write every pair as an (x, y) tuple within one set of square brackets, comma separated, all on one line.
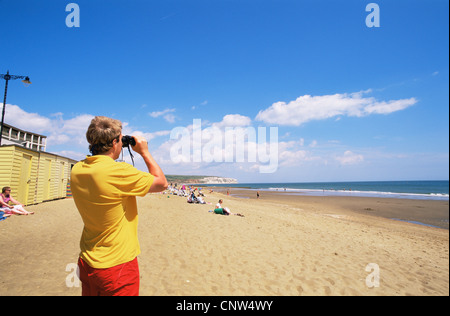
[(53, 176), (18, 170), (34, 176)]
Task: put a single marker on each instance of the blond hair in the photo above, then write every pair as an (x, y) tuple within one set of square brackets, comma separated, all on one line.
[(101, 133)]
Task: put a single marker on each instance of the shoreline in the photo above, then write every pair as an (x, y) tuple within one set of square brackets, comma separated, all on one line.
[(426, 212), (390, 189)]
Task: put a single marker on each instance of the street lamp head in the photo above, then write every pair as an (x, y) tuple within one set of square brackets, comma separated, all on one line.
[(8, 77), (26, 81)]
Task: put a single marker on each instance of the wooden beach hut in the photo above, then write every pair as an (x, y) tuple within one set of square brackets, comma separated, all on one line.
[(34, 176), (53, 176)]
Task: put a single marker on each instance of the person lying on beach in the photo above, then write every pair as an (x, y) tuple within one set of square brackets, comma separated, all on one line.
[(5, 198), (224, 210)]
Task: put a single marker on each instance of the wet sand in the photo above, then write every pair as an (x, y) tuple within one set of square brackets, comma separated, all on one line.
[(427, 212)]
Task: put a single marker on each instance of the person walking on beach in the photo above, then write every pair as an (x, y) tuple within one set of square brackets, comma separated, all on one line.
[(104, 192)]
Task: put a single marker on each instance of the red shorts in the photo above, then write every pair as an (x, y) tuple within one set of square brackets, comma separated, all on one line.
[(121, 280)]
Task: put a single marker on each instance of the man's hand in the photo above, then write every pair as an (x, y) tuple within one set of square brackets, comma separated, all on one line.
[(159, 182), (141, 146)]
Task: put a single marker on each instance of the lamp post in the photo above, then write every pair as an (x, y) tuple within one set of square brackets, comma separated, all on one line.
[(8, 77)]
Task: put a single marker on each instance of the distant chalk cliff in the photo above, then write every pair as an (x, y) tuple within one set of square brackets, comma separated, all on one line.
[(199, 179)]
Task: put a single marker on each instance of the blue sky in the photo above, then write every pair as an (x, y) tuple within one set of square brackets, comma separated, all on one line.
[(350, 102)]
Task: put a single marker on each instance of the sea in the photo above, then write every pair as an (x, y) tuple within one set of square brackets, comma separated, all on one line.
[(427, 190)]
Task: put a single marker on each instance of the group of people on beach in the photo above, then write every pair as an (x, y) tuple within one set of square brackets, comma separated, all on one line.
[(188, 192), (6, 209), (192, 198)]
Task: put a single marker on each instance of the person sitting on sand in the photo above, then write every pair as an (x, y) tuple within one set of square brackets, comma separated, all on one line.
[(5, 198), (224, 210)]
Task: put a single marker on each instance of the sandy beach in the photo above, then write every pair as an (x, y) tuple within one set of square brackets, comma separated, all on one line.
[(285, 245)]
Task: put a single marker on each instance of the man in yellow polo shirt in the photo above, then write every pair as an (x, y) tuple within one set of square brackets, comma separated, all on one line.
[(105, 193)]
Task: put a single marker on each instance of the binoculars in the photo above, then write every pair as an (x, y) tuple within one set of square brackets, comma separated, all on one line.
[(128, 140)]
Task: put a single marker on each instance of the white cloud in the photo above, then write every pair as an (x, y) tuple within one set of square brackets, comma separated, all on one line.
[(194, 107), (233, 120), (148, 136), (302, 142), (219, 147), (293, 154), (77, 125), (70, 153), (350, 158), (166, 114), (169, 118), (309, 108), (159, 113), (32, 122), (58, 139), (157, 134), (60, 132), (57, 130), (389, 107)]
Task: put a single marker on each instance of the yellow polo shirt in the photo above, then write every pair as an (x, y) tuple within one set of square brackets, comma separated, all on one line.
[(105, 193)]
